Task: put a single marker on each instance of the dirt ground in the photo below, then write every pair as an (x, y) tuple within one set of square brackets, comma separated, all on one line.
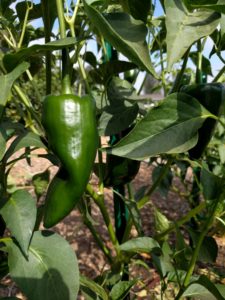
[(91, 260)]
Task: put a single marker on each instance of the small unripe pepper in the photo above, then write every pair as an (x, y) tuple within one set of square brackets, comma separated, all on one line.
[(119, 170), (212, 97), (71, 129)]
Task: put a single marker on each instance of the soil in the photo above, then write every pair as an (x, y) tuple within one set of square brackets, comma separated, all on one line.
[(91, 260)]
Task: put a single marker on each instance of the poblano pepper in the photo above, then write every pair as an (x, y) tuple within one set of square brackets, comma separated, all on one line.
[(71, 129), (211, 96)]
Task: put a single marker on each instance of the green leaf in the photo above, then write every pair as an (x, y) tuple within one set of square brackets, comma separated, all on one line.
[(186, 28), (121, 289), (7, 82), (39, 217), (52, 158), (141, 244), (222, 26), (141, 263), (10, 128), (11, 60), (4, 269), (212, 185), (2, 144), (159, 41), (51, 270), (37, 11), (209, 248), (219, 6), (125, 34), (110, 277), (176, 276), (7, 15), (86, 283), (131, 204), (206, 65), (26, 139), (190, 3), (21, 9), (112, 68), (183, 251), (165, 183), (221, 289), (135, 215), (4, 4), (221, 150), (120, 113), (138, 9), (164, 262), (168, 128), (40, 182), (120, 89), (115, 119), (19, 213), (204, 289)]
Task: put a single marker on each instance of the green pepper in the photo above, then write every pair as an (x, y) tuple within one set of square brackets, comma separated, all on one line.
[(71, 129), (119, 170), (211, 96)]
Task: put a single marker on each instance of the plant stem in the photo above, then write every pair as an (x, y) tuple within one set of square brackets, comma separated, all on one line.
[(142, 84), (141, 203), (198, 78), (98, 240), (48, 55), (99, 200), (71, 23), (8, 41), (101, 184), (220, 74), (3, 181), (182, 221), (72, 20), (130, 191), (121, 213), (30, 77), (162, 174), (29, 7), (12, 37), (127, 230), (28, 105), (197, 249), (130, 221), (198, 246), (162, 70), (104, 48), (84, 75), (95, 234), (66, 84), (179, 76), (60, 12), (22, 156), (48, 72), (5, 240)]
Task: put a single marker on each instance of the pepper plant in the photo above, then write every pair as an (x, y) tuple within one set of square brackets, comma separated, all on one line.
[(89, 95)]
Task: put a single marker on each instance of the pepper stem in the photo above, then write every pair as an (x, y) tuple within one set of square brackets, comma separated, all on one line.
[(60, 13), (45, 5), (198, 78), (66, 83)]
